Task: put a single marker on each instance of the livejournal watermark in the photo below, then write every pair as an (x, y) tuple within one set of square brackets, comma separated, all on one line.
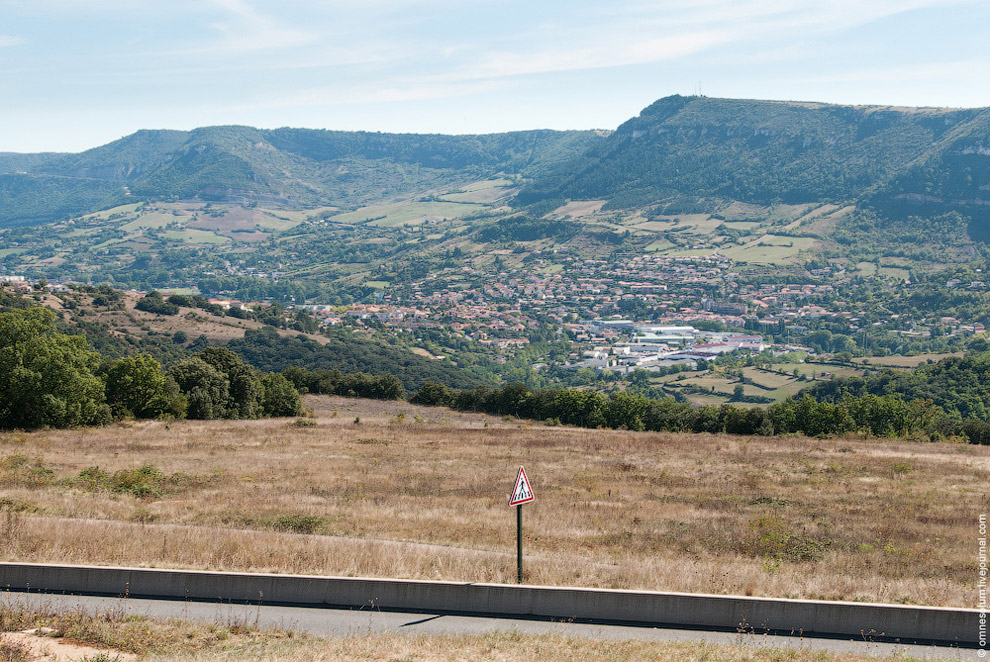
[(981, 584)]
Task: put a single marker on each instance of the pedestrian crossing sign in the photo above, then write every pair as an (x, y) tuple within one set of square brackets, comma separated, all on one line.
[(522, 492)]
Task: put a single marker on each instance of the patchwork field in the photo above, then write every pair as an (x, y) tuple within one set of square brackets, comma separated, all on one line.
[(391, 489), (781, 381), (408, 213)]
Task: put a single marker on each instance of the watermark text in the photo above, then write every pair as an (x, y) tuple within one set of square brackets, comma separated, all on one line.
[(983, 574)]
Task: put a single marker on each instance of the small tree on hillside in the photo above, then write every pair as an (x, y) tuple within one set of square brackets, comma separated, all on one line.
[(136, 386), (280, 397), (46, 378)]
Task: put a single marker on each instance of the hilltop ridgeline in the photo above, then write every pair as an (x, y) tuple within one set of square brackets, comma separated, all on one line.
[(282, 167), (680, 151), (924, 161)]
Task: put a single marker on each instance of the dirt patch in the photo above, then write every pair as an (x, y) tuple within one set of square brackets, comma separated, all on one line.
[(40, 646)]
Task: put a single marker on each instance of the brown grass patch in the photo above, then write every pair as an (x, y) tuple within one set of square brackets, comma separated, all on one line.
[(423, 495)]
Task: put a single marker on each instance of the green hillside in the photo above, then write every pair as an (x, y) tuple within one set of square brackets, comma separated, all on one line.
[(959, 385), (769, 151), (295, 168)]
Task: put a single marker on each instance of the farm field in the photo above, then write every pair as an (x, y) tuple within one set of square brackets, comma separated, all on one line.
[(770, 249), (715, 388), (391, 489), (909, 361), (408, 213)]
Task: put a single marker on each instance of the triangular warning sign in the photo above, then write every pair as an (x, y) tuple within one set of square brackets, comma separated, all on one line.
[(522, 492)]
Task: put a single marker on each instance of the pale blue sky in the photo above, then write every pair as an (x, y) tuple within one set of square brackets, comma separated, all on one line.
[(79, 73)]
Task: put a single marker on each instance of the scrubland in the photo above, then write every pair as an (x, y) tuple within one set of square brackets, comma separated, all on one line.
[(389, 489)]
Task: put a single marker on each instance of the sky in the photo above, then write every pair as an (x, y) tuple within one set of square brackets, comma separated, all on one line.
[(75, 74)]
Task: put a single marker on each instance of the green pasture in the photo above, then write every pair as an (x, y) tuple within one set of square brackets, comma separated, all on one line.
[(155, 219), (407, 213), (193, 236), (770, 249), (107, 213)]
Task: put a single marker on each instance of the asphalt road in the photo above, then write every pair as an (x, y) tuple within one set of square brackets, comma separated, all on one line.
[(325, 622)]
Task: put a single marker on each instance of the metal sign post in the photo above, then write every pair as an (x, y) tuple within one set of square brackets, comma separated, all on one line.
[(521, 493), (519, 544)]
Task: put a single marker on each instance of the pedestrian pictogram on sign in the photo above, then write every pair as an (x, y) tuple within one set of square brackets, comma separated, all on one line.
[(522, 492)]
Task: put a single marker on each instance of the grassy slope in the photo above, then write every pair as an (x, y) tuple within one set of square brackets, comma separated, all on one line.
[(392, 489)]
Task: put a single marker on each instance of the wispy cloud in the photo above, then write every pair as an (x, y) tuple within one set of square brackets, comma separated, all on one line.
[(409, 91), (245, 30), (10, 40), (613, 35), (598, 55)]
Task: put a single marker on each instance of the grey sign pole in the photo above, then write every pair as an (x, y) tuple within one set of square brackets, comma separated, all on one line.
[(519, 544)]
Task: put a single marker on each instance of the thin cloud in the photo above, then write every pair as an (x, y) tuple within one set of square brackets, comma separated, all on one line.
[(364, 94), (10, 40), (247, 30), (614, 54)]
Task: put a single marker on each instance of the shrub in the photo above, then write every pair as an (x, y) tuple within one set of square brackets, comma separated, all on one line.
[(771, 538), (152, 302), (279, 396), (298, 523)]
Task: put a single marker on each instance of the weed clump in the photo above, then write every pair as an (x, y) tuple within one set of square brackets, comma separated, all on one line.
[(144, 482), (12, 651), (298, 523), (20, 469), (770, 538)]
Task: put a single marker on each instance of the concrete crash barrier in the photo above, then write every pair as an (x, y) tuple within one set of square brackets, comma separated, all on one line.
[(809, 618)]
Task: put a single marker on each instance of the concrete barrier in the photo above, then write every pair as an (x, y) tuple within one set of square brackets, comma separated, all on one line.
[(812, 618)]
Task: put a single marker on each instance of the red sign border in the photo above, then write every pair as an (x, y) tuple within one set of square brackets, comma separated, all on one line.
[(532, 495)]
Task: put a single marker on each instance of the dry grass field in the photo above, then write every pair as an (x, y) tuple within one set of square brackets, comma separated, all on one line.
[(391, 489)]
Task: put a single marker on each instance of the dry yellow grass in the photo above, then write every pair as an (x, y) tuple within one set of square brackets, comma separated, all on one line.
[(395, 496), (508, 647), (114, 635)]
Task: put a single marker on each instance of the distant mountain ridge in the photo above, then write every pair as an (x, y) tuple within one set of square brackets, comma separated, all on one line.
[(292, 167), (922, 161), (770, 151)]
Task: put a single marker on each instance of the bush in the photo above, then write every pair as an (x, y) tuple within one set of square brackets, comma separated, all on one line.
[(298, 523), (144, 482), (46, 378), (432, 394), (152, 302), (136, 385), (280, 397), (771, 538)]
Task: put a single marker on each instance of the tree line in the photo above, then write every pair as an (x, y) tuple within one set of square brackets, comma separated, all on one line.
[(50, 379), (876, 415)]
